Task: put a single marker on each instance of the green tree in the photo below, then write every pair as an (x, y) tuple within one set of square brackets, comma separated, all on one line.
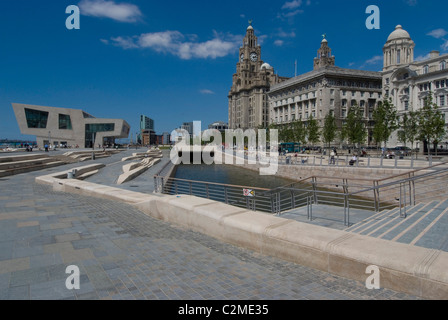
[(313, 131), (329, 130), (386, 122), (431, 124), (355, 128), (299, 132), (409, 128)]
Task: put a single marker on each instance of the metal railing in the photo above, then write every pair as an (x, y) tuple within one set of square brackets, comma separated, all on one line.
[(403, 190), (318, 160)]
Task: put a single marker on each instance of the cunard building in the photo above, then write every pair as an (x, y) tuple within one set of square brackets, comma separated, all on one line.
[(248, 99), (326, 89)]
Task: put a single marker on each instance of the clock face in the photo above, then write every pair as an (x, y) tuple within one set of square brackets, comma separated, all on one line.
[(242, 57), (253, 57)]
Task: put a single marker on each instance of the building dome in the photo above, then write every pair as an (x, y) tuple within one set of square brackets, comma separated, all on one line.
[(399, 33), (266, 66), (250, 28)]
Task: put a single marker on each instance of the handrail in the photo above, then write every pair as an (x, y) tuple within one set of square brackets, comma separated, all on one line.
[(291, 196), (413, 178), (217, 184), (414, 171)]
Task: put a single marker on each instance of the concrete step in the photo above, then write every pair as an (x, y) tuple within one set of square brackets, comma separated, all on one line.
[(7, 159), (389, 221), (30, 168), (402, 224), (418, 228), (24, 163), (436, 234), (367, 223)]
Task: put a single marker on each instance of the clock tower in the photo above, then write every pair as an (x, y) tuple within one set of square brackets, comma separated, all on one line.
[(248, 100)]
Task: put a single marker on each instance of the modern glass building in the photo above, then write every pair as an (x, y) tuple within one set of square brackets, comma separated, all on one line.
[(146, 123), (68, 127)]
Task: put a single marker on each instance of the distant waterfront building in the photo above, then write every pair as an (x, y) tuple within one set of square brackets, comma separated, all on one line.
[(326, 89), (166, 138), (188, 126), (248, 100), (147, 135), (146, 123), (219, 125), (71, 127), (408, 82)]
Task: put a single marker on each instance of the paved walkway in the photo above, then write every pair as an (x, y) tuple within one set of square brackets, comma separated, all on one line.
[(124, 254)]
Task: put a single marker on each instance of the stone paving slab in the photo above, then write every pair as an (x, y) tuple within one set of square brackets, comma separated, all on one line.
[(123, 254)]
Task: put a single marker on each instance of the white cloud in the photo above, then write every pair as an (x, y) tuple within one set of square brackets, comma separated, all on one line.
[(206, 91), (185, 47), (123, 12), (284, 34), (445, 45), (279, 43), (373, 61), (290, 14), (292, 5), (438, 33), (421, 58), (291, 9)]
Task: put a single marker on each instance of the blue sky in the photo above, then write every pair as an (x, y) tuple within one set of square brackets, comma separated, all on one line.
[(174, 60)]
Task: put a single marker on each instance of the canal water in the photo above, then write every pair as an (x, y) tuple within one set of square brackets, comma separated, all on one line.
[(237, 176), (228, 174)]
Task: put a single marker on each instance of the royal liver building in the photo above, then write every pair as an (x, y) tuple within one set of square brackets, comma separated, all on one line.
[(248, 100)]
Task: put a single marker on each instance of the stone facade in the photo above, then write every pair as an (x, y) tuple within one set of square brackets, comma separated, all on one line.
[(62, 126), (408, 82), (248, 100), (325, 89)]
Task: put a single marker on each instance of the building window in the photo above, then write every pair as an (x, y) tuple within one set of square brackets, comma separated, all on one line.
[(406, 105), (426, 69), (36, 119), (442, 101), (93, 128), (65, 122), (398, 56), (443, 65)]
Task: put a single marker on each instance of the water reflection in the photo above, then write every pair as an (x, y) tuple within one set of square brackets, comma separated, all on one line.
[(228, 174)]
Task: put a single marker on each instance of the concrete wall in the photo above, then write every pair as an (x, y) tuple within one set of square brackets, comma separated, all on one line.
[(414, 270)]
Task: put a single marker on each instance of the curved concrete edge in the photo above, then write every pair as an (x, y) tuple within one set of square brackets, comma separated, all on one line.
[(405, 268)]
